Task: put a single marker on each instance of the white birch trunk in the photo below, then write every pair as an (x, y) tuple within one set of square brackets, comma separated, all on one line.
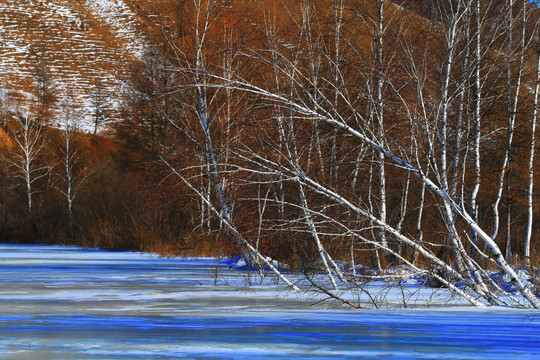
[(530, 184), (313, 231), (477, 121), (379, 44), (512, 103), (441, 193), (29, 142)]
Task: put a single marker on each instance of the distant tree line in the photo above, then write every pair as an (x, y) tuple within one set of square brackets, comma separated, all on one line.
[(63, 185)]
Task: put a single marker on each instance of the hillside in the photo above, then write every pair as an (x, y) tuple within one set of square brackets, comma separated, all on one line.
[(82, 45), (83, 48)]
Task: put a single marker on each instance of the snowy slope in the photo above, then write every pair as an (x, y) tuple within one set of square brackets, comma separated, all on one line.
[(81, 43), (122, 22)]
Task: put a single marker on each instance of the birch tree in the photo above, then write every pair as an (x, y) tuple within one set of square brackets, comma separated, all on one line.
[(303, 95), (532, 153), (205, 121), (71, 173), (27, 156)]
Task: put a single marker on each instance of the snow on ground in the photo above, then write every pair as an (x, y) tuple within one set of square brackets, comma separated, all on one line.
[(82, 44), (121, 20), (60, 302)]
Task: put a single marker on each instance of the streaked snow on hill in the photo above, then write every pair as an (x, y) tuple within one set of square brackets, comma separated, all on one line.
[(122, 20), (81, 43)]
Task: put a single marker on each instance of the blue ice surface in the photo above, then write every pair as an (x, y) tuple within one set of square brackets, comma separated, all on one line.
[(282, 334), (72, 303)]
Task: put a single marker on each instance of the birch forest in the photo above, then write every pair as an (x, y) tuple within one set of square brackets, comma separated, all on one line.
[(344, 140)]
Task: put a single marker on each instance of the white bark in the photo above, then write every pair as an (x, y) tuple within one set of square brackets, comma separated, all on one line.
[(231, 227), (71, 178), (300, 100), (477, 118), (313, 231), (512, 104), (380, 115), (530, 184), (30, 143), (449, 204)]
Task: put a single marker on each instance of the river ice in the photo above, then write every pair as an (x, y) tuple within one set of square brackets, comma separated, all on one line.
[(59, 302)]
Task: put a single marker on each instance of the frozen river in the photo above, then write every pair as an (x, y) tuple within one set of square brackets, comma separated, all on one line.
[(72, 303)]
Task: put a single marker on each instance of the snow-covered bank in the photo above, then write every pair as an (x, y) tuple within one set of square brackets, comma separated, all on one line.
[(66, 302)]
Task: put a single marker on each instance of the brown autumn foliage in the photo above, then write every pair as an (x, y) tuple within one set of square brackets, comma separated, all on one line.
[(130, 200), (5, 141), (250, 35)]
